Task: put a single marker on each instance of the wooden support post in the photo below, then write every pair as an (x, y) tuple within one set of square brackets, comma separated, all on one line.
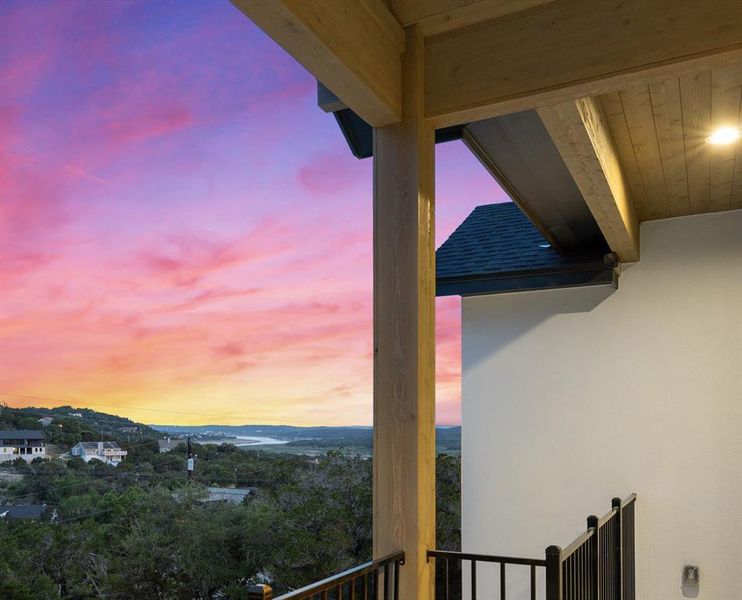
[(404, 333)]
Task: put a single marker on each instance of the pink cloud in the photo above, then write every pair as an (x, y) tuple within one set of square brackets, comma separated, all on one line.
[(24, 72), (211, 296), (185, 260), (153, 122), (329, 173), (230, 349)]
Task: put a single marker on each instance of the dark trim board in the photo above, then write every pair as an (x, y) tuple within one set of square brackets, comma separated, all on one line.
[(356, 132), (360, 135), (523, 282)]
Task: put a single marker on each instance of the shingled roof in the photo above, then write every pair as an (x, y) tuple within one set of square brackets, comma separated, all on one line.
[(497, 249), (22, 511), (21, 434)]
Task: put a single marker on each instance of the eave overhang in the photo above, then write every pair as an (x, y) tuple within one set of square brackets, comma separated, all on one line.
[(526, 281)]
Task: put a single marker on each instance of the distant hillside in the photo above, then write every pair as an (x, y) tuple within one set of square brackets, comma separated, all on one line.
[(282, 432), (301, 440), (71, 425)]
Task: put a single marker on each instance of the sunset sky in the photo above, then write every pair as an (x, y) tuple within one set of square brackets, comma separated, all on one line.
[(185, 237)]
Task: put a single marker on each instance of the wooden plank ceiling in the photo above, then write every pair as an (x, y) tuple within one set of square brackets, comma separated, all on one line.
[(438, 16), (661, 129)]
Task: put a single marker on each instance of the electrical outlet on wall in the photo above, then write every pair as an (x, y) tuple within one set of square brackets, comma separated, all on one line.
[(690, 581)]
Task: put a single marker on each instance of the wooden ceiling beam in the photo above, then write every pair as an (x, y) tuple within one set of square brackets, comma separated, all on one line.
[(354, 48), (567, 49), (581, 133), (438, 16)]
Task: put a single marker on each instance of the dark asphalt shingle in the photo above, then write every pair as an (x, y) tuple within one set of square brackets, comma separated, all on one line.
[(498, 240), (22, 511), (21, 434)]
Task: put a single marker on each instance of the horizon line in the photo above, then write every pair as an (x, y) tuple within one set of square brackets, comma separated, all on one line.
[(153, 425)]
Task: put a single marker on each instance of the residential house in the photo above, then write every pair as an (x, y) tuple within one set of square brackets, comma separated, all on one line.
[(107, 452), (46, 421), (22, 443), (614, 127), (169, 444), (230, 495)]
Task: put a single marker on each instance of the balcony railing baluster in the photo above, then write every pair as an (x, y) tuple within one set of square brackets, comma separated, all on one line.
[(444, 592), (503, 585), (474, 580), (598, 565), (344, 585)]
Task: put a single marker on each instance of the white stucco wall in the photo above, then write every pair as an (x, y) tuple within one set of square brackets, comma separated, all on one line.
[(571, 397)]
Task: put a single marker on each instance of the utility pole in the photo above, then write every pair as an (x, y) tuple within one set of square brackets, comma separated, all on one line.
[(189, 462)]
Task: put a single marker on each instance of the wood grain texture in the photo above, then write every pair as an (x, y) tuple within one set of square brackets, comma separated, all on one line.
[(438, 16), (352, 47), (736, 198), (726, 91), (667, 116), (568, 49), (695, 98), (404, 333), (614, 113), (637, 106), (661, 131), (582, 135)]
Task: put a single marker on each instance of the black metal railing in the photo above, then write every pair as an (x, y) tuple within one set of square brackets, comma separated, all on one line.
[(447, 589), (376, 580), (600, 563)]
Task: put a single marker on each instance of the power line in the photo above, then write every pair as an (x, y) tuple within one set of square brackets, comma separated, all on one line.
[(168, 461), (79, 484), (129, 446), (85, 516), (94, 513)]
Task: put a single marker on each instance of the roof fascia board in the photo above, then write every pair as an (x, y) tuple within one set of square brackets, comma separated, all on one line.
[(477, 286)]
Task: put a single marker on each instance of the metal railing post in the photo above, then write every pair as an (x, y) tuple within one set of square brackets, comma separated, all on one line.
[(554, 573), (616, 503), (592, 523)]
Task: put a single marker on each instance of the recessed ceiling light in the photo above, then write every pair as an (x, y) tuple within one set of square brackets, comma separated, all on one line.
[(723, 135)]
